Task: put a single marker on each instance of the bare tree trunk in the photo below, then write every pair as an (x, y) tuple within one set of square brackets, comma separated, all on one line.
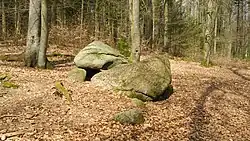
[(248, 46), (128, 19), (82, 20), (237, 44), (33, 38), (155, 12), (42, 60), (115, 32), (4, 28), (109, 22), (120, 22), (114, 27), (208, 38), (97, 27), (131, 19), (17, 19), (166, 14), (171, 6), (135, 30), (148, 23), (215, 28), (53, 10), (64, 18), (229, 31), (242, 32)]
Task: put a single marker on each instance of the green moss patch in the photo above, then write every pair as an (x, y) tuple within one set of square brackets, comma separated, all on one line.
[(9, 85), (62, 90)]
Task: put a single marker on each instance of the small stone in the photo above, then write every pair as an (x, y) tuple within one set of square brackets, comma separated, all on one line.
[(77, 74), (133, 116)]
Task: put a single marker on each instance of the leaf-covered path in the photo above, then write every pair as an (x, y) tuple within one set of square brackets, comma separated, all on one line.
[(208, 104)]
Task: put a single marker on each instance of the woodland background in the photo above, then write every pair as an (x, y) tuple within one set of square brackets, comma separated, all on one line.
[(195, 29), (208, 103)]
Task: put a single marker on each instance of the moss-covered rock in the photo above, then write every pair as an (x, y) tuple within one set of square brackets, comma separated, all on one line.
[(77, 75), (133, 116), (145, 80)]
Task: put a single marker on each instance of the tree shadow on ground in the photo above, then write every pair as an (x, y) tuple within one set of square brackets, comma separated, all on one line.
[(16, 60), (11, 57), (200, 117), (236, 71), (63, 60)]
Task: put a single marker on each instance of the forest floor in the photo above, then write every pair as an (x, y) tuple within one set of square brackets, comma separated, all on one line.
[(210, 104)]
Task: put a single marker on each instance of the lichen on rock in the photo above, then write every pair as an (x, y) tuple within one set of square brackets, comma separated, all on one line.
[(132, 116), (146, 80)]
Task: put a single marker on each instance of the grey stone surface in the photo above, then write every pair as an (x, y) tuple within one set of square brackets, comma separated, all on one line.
[(133, 116), (77, 74), (145, 80), (98, 55)]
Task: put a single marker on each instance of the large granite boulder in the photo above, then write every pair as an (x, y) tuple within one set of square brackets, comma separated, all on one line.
[(146, 80), (98, 55)]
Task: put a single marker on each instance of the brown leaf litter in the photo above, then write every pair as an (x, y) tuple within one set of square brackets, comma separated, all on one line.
[(208, 104)]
